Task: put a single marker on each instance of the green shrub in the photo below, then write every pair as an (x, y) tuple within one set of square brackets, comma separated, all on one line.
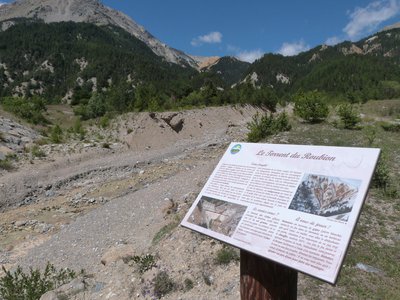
[(263, 126), (381, 177), (81, 111), (11, 156), (104, 122), (5, 164), (144, 262), (96, 106), (79, 130), (163, 284), (32, 285), (348, 115), (282, 122), (225, 255), (92, 108), (390, 89), (310, 106), (391, 127), (153, 104), (56, 134), (188, 284), (370, 134), (28, 109), (37, 152)]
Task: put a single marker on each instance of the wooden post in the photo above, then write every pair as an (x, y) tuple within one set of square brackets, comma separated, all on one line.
[(262, 279)]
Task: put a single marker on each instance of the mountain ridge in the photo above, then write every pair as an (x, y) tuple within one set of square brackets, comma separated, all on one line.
[(91, 11), (41, 56)]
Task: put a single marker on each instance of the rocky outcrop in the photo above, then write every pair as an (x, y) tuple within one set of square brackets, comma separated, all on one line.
[(390, 27), (90, 11), (14, 137), (353, 49), (205, 62)]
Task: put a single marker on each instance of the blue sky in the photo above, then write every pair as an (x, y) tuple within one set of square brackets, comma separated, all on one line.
[(249, 29)]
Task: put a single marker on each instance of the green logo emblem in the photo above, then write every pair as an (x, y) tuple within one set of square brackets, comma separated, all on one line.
[(236, 149)]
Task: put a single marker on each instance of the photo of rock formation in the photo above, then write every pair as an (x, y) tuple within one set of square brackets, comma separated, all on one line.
[(326, 196)]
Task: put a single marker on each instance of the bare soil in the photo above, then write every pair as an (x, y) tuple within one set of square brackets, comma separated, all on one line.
[(120, 186)]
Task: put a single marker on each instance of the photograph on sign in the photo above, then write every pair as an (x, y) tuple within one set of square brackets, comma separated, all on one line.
[(326, 196), (217, 215), (295, 205)]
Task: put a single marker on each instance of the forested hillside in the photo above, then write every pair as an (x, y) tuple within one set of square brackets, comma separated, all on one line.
[(58, 57), (100, 69), (230, 69), (368, 69)]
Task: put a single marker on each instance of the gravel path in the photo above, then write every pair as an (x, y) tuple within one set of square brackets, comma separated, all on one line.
[(133, 219)]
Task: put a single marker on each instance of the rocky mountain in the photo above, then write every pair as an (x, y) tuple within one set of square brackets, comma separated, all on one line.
[(88, 11)]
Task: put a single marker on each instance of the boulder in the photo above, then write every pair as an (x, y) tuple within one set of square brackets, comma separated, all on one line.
[(117, 253)]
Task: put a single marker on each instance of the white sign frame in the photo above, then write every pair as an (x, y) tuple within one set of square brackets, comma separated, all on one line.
[(293, 204)]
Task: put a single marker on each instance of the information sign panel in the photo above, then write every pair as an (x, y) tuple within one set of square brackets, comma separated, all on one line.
[(295, 205)]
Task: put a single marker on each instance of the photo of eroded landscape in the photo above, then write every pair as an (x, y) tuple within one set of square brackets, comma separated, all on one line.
[(217, 215)]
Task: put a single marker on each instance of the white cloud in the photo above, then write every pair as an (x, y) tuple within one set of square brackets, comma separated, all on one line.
[(332, 41), (250, 56), (290, 49), (214, 37), (245, 55), (367, 19)]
